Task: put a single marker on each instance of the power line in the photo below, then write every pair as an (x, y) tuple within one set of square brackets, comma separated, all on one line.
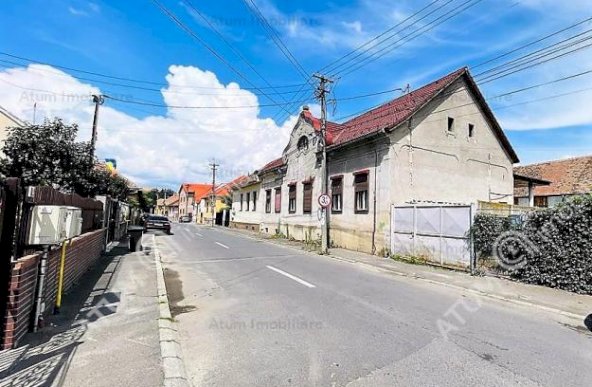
[(270, 31), (531, 43), (190, 32), (142, 87), (430, 26), (335, 68), (233, 49), (508, 72), (542, 52), (131, 79)]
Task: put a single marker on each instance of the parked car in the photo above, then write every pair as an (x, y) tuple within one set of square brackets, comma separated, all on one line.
[(157, 222), (185, 219)]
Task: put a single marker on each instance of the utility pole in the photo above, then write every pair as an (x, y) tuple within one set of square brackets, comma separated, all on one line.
[(98, 99), (213, 165), (321, 93)]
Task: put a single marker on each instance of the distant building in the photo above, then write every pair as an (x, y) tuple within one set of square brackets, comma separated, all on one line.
[(7, 120), (188, 192), (567, 178), (168, 207)]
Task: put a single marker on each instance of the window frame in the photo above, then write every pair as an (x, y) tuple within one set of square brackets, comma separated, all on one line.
[(307, 196), (292, 197), (450, 124), (362, 189), (241, 201), (268, 201), (278, 203), (303, 143), (471, 130), (248, 201), (254, 197), (337, 191)]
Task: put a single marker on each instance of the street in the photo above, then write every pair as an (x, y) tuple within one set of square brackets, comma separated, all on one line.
[(252, 313)]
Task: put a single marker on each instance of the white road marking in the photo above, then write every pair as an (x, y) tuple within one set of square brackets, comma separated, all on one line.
[(198, 234), (299, 280), (220, 244)]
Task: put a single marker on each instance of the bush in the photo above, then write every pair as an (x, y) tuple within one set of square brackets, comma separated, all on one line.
[(484, 232), (562, 242)]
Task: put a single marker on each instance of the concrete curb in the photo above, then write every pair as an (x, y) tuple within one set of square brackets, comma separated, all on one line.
[(173, 366), (464, 289), (433, 282)]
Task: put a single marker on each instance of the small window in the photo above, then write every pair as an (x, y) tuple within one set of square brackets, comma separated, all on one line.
[(361, 192), (278, 200), (307, 198), (450, 124), (254, 200), (303, 143), (471, 130), (241, 202), (541, 201), (248, 200), (268, 201), (336, 195), (292, 199)]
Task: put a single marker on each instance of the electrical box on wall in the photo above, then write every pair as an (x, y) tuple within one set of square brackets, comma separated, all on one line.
[(73, 226), (50, 225)]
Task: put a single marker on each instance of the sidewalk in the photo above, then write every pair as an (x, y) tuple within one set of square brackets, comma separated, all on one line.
[(107, 332), (552, 300)]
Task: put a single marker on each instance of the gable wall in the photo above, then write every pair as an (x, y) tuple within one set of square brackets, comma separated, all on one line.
[(450, 166)]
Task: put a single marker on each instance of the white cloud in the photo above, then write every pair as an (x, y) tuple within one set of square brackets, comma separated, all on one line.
[(157, 149), (77, 12)]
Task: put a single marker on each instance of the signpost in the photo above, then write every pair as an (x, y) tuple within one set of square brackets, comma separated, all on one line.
[(324, 200)]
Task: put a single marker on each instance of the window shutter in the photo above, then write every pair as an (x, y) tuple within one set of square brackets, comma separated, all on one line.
[(307, 198), (361, 182), (278, 200)]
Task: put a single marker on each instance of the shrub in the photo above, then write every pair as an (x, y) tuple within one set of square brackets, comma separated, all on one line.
[(485, 230), (562, 242)]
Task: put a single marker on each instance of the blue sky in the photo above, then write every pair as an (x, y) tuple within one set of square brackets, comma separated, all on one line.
[(134, 39)]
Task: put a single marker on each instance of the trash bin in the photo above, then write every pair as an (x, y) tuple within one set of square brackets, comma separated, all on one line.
[(135, 237)]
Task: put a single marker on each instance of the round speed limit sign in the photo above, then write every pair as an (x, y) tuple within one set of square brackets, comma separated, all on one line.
[(324, 200)]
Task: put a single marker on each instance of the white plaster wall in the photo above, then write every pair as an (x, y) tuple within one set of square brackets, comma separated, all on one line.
[(432, 164), (244, 216)]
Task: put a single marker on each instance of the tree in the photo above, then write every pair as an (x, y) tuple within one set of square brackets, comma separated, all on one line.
[(49, 155)]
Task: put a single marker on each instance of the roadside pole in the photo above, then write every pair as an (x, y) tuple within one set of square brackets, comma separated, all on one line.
[(321, 95), (98, 100), (213, 165)]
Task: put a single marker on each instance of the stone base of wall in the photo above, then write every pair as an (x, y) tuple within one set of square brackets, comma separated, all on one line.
[(81, 255), (245, 226), (356, 240)]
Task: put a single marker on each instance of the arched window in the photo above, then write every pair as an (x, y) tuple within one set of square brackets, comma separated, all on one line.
[(303, 143)]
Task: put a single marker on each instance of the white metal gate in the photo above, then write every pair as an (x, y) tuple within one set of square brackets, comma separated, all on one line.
[(439, 233)]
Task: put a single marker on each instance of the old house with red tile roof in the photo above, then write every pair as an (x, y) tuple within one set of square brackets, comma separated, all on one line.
[(188, 192), (440, 143), (567, 178), (221, 213)]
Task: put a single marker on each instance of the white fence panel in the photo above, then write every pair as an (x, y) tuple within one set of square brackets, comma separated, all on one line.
[(438, 233)]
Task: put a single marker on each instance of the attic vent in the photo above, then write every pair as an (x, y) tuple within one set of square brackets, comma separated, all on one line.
[(450, 124), (303, 143)]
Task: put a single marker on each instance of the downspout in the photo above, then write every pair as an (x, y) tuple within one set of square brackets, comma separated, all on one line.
[(39, 303), (374, 203)]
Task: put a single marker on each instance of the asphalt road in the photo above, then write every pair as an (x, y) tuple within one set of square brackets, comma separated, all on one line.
[(256, 314)]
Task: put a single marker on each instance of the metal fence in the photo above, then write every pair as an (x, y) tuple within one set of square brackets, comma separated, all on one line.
[(436, 233)]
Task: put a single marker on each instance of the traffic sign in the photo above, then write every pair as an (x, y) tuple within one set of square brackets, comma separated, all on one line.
[(324, 200)]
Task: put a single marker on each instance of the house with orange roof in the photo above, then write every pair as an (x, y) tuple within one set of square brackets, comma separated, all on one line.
[(220, 210), (566, 178), (188, 192), (418, 162)]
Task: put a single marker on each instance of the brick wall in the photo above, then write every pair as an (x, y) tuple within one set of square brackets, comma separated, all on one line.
[(82, 254)]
